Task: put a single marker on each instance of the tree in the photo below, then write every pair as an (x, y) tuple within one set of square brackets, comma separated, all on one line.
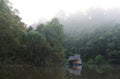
[(11, 30)]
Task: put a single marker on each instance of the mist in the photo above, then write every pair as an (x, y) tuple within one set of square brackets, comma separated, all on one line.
[(95, 17)]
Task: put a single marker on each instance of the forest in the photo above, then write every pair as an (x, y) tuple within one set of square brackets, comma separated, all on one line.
[(94, 35)]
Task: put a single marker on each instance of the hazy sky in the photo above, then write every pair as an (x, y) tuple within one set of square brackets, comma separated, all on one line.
[(33, 10)]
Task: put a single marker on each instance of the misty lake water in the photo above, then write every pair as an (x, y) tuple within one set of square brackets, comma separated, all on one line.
[(79, 72)]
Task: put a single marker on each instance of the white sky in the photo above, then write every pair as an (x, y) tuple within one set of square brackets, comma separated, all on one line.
[(33, 10)]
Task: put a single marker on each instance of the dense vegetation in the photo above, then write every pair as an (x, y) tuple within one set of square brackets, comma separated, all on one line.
[(45, 43), (97, 40), (94, 35), (11, 31), (21, 45)]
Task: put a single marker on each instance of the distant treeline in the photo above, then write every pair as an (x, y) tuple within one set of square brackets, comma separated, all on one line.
[(94, 35)]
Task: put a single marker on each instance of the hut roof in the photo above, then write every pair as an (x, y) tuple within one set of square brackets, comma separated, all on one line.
[(75, 57)]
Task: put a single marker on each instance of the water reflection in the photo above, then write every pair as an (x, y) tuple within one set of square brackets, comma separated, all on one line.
[(80, 72), (32, 73), (75, 70)]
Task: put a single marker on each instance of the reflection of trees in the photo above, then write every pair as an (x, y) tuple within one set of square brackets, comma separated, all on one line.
[(91, 72), (32, 73), (97, 72), (100, 72)]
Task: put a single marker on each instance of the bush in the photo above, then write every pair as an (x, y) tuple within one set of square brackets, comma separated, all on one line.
[(99, 59), (90, 61)]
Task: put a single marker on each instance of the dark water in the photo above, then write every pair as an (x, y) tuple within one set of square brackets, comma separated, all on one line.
[(81, 72)]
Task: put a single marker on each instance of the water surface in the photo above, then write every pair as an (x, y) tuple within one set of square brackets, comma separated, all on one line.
[(80, 72)]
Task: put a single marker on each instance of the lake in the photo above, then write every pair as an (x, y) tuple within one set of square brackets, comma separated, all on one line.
[(79, 72)]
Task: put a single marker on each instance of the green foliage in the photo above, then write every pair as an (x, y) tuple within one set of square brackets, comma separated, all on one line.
[(104, 41), (90, 61), (11, 31), (53, 32), (40, 46), (4, 8), (43, 45), (99, 59)]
